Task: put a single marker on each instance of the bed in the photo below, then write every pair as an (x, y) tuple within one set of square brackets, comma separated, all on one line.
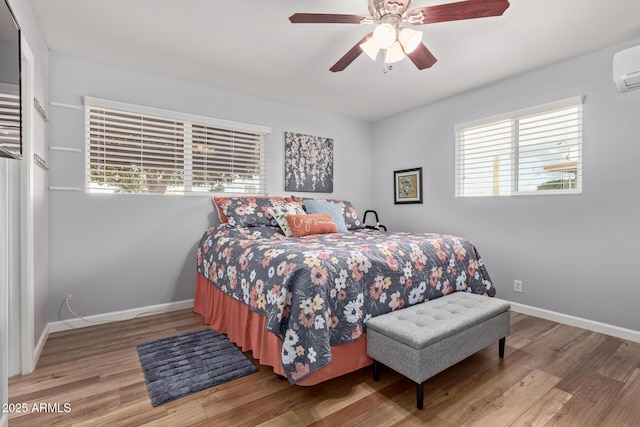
[(301, 304)]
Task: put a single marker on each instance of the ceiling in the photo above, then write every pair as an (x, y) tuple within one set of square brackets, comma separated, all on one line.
[(250, 46)]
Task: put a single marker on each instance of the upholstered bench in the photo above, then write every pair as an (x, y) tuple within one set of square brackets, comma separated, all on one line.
[(425, 339)]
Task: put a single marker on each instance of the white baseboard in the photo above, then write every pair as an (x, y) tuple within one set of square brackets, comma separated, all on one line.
[(115, 316), (38, 349), (603, 328), (4, 420)]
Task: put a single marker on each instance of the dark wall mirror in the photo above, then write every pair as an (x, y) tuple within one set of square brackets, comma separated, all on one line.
[(10, 93)]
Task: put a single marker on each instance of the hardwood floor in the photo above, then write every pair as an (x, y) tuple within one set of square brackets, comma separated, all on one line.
[(552, 375)]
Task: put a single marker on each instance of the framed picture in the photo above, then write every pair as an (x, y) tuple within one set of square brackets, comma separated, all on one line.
[(407, 186)]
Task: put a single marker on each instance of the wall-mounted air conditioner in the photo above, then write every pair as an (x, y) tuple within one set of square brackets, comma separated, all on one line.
[(626, 69)]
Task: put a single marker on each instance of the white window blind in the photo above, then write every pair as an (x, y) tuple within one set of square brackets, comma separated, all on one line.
[(9, 117), (533, 151), (134, 149), (227, 159)]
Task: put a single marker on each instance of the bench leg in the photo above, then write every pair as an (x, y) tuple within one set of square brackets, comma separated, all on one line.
[(420, 395), (376, 370), (501, 347)]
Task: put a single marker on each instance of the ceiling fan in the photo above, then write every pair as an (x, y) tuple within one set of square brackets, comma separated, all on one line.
[(396, 41)]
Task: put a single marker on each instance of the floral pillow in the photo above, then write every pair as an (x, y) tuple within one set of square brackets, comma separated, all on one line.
[(247, 211), (280, 212), (305, 225), (348, 211)]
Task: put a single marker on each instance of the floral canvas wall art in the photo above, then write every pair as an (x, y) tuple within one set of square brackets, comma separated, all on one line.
[(308, 163)]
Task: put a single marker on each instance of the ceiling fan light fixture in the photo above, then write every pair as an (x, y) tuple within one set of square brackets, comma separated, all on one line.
[(394, 53), (410, 39), (370, 48), (384, 35)]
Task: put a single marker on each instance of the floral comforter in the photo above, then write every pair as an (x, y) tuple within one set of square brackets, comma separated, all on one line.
[(320, 290)]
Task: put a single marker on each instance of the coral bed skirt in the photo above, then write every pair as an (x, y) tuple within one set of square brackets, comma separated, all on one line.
[(246, 329)]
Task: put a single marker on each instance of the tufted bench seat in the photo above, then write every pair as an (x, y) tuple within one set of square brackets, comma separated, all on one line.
[(425, 339)]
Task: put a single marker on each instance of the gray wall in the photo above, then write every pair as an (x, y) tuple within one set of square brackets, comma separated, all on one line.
[(116, 252), (575, 254)]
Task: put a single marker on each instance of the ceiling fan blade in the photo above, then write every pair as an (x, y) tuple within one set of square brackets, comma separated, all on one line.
[(468, 9), (350, 56), (422, 57), (328, 18)]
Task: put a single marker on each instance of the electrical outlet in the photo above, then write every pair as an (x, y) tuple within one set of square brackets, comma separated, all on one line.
[(517, 285), (69, 297)]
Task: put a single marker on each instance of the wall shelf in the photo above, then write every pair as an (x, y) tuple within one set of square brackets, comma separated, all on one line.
[(65, 149), (53, 188), (63, 105)]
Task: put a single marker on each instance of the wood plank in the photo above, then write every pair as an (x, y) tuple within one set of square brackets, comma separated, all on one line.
[(480, 391), (180, 415), (561, 358), (623, 363), (53, 375), (589, 362), (133, 392), (528, 329), (289, 418), (543, 409), (389, 405), (553, 342), (625, 410), (589, 404), (422, 418), (516, 400), (343, 392), (78, 390), (39, 395), (133, 414)]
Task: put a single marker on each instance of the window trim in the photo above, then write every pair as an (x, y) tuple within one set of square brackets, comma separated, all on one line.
[(92, 102), (515, 115)]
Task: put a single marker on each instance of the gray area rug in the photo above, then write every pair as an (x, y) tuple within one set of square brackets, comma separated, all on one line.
[(177, 366)]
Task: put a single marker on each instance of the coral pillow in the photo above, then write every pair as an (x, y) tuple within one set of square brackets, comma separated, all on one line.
[(304, 225)]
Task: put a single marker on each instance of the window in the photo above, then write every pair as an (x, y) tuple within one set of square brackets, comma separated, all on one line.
[(134, 149), (533, 151), (9, 118)]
